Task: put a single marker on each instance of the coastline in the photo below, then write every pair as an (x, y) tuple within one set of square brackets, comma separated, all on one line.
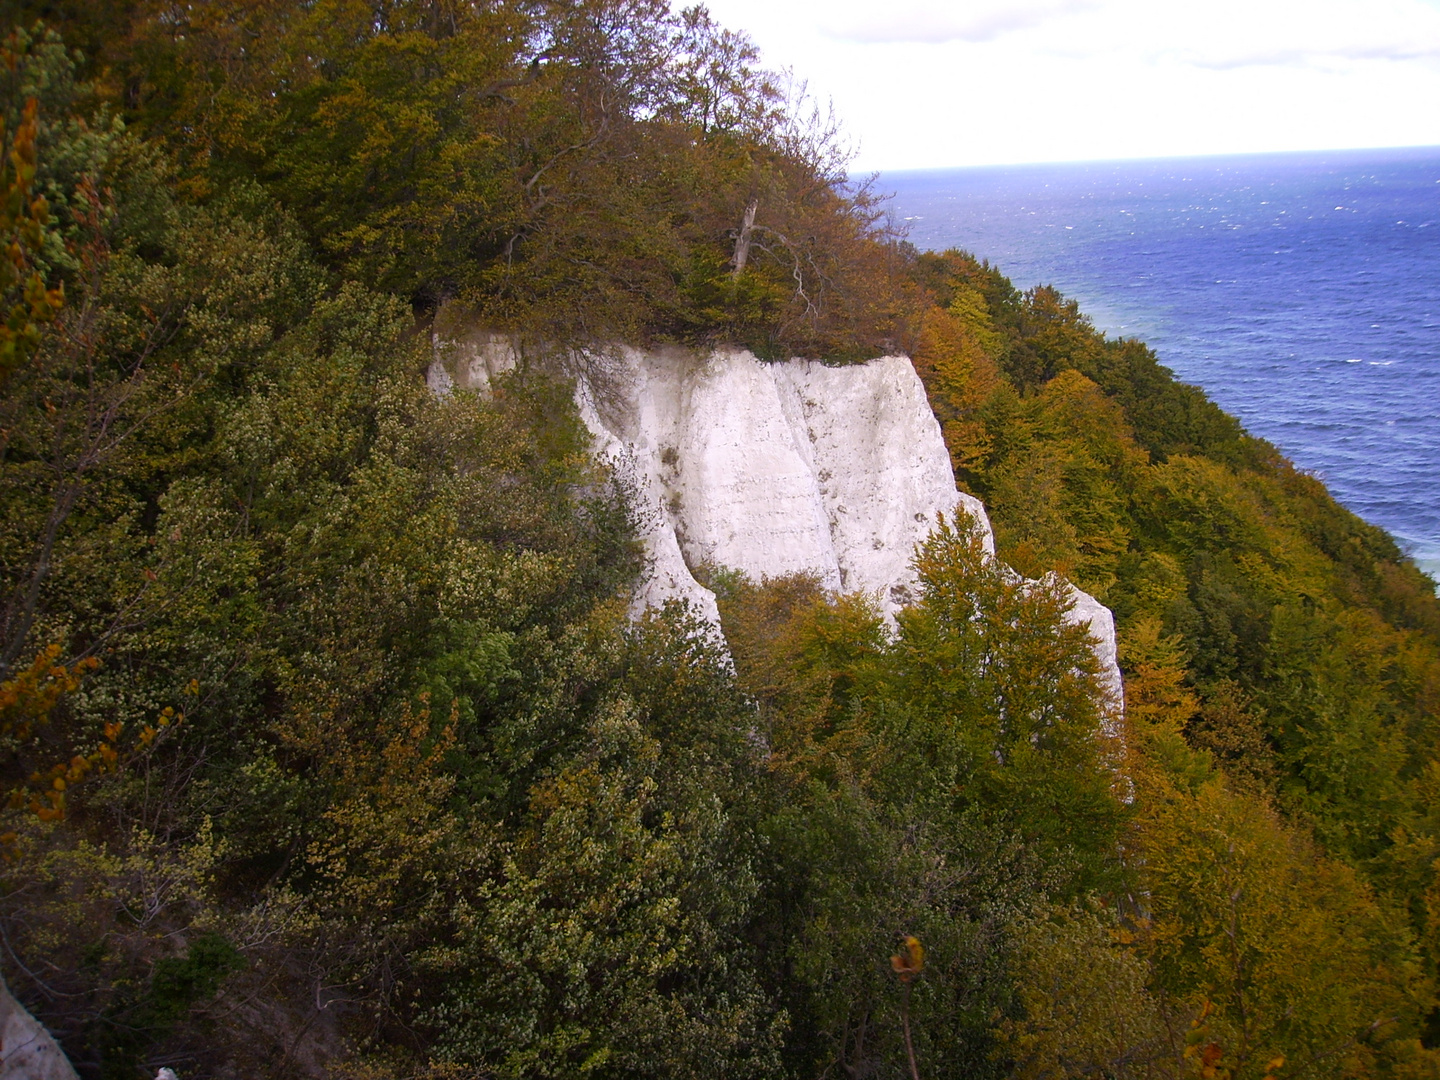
[(1300, 291)]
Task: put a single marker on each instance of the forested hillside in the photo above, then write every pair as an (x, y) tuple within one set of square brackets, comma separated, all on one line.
[(331, 750)]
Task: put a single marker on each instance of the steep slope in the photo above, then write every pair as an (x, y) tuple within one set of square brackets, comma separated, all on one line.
[(770, 469)]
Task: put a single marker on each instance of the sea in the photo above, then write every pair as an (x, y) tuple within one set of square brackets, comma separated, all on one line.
[(1301, 291)]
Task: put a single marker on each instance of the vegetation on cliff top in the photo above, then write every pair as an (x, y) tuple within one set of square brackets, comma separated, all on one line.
[(331, 751), (577, 171)]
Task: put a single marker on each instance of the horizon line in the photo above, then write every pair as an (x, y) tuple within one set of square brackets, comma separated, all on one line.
[(1144, 158)]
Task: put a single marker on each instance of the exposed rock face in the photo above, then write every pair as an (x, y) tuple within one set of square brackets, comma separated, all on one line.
[(775, 469), (1090, 612), (770, 469), (27, 1052)]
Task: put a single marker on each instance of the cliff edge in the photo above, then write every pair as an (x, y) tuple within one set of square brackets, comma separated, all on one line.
[(770, 469)]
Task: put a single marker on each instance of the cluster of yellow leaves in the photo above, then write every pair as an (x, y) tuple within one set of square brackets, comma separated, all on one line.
[(1086, 1007), (27, 303), (25, 703), (956, 351), (83, 904), (804, 656), (389, 816), (27, 699), (1287, 949), (909, 962)]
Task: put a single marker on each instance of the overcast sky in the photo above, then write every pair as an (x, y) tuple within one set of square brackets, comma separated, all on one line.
[(927, 83)]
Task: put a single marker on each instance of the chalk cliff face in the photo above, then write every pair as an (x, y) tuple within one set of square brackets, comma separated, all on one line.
[(774, 469), (770, 469), (27, 1052)]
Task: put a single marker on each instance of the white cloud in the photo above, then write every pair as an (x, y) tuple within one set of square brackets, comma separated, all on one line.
[(929, 83), (933, 23), (1273, 33)]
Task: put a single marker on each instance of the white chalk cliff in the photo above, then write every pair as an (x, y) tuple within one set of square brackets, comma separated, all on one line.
[(27, 1051), (770, 469)]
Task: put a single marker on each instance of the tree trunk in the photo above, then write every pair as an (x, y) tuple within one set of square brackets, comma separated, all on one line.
[(742, 241)]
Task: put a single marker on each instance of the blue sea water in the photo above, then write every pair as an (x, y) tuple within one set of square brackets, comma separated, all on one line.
[(1301, 291)]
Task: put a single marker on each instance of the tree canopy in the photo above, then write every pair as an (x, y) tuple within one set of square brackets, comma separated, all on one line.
[(330, 749)]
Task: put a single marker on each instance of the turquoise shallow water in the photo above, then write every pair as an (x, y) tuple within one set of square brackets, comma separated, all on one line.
[(1302, 291)]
